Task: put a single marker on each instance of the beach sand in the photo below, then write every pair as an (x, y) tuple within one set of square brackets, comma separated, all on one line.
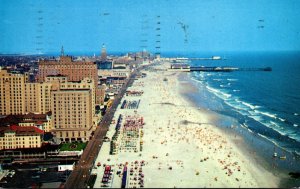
[(181, 145)]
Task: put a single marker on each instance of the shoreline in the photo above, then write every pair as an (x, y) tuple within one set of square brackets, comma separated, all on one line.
[(259, 157), (231, 135), (182, 147)]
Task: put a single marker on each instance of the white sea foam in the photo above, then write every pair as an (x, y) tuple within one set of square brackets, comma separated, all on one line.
[(249, 105), (212, 89), (280, 131), (281, 119), (275, 124), (234, 105), (295, 125), (196, 80), (232, 79), (226, 94), (257, 118), (267, 114), (295, 114), (269, 139), (250, 130), (234, 90), (219, 93), (269, 125), (295, 136), (217, 79), (244, 125)]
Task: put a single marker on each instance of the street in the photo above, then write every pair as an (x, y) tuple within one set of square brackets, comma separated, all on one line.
[(81, 173)]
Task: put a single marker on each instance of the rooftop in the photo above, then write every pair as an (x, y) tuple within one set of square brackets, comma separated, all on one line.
[(28, 130)]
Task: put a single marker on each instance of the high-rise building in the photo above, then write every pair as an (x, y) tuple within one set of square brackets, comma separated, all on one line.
[(73, 70), (72, 114), (73, 108), (72, 104), (37, 97), (12, 93), (103, 53)]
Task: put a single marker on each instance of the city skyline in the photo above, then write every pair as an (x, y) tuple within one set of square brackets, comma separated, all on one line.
[(33, 27)]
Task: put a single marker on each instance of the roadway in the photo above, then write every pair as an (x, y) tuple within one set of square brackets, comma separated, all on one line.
[(81, 173)]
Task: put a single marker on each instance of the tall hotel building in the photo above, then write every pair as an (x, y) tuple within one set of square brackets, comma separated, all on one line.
[(12, 90), (74, 70), (73, 108), (72, 103)]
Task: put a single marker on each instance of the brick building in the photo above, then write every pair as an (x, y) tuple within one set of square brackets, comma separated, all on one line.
[(73, 70)]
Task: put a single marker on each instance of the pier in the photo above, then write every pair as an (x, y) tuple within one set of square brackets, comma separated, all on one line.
[(187, 68), (227, 69)]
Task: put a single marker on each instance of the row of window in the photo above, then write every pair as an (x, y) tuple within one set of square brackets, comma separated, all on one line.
[(20, 146)]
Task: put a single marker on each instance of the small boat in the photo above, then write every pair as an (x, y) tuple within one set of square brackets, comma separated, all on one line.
[(216, 58), (282, 157)]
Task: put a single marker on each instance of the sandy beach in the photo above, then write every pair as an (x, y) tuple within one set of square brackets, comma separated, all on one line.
[(177, 146)]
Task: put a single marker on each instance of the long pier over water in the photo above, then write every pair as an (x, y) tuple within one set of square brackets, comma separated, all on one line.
[(188, 68), (227, 69)]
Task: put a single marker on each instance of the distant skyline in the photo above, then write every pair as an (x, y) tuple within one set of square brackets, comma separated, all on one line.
[(43, 26)]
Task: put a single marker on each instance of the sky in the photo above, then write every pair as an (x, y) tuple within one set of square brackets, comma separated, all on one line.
[(82, 27)]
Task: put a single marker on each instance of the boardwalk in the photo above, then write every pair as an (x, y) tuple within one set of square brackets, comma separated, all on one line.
[(80, 175)]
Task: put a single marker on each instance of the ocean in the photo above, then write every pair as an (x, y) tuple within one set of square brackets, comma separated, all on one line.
[(266, 104)]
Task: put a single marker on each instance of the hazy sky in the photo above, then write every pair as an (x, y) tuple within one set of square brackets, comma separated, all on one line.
[(32, 26)]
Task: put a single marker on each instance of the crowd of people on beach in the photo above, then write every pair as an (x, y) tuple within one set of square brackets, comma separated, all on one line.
[(180, 147)]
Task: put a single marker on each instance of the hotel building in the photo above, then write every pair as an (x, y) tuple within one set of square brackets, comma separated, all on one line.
[(73, 70), (16, 137), (72, 104), (12, 90), (72, 114)]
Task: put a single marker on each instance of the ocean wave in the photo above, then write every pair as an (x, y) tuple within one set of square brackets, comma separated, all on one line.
[(217, 79), (267, 114), (279, 146), (232, 79), (257, 118), (212, 89), (295, 125), (249, 105), (196, 80), (294, 136), (281, 119), (295, 114), (234, 105), (234, 90), (269, 139), (218, 92), (250, 130), (276, 125), (270, 125), (244, 125)]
